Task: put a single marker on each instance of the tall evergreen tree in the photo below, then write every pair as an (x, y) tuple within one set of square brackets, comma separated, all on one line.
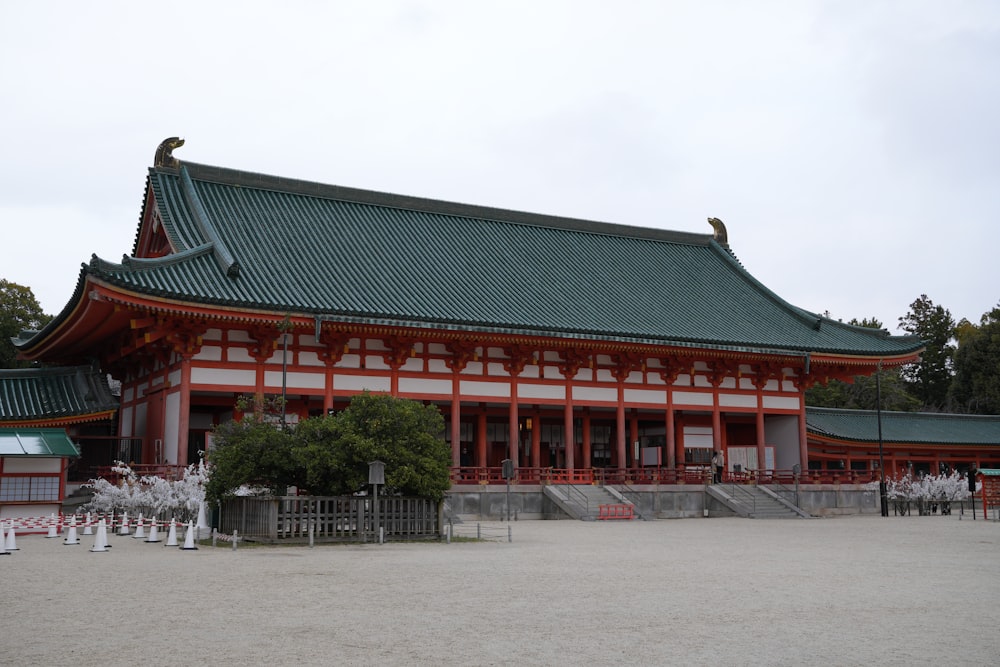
[(976, 385), (19, 310), (930, 378)]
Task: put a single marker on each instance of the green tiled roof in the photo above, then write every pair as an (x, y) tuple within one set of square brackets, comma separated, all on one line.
[(51, 393), (36, 442), (904, 427), (259, 242)]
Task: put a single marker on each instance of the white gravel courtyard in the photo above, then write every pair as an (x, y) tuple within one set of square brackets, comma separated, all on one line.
[(846, 591)]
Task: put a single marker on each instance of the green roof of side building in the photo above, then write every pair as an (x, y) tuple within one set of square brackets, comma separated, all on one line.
[(249, 241), (904, 427), (36, 442), (53, 393)]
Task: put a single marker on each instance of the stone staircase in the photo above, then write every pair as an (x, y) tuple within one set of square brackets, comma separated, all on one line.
[(755, 502), (583, 501)]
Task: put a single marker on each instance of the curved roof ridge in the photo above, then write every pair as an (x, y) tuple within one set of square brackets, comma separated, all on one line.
[(130, 263), (852, 412), (235, 177), (814, 320), (219, 250)]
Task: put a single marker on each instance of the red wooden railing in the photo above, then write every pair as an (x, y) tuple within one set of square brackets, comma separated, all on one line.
[(166, 471), (631, 476)]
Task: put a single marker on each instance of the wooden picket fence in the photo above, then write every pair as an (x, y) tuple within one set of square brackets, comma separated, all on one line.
[(331, 519)]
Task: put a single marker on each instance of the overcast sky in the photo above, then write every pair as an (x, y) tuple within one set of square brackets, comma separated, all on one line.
[(852, 148)]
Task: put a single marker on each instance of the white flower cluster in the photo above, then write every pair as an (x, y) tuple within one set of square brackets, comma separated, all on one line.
[(932, 488), (149, 494)]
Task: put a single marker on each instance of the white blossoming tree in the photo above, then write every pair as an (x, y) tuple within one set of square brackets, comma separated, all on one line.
[(151, 495), (928, 492)]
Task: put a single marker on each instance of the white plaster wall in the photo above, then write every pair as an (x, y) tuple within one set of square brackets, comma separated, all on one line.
[(781, 402), (418, 386), (140, 421), (645, 396), (223, 376), (738, 400), (294, 381), (31, 464), (541, 391), (361, 383), (172, 410), (209, 353), (240, 355), (126, 422), (585, 394), (495, 389), (692, 398)]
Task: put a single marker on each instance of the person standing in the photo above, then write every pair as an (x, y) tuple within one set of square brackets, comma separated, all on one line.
[(719, 463)]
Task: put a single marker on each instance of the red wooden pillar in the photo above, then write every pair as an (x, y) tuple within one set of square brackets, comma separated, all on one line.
[(678, 444), (588, 459), (456, 425), (716, 423), (803, 444), (514, 436), (328, 390), (536, 439), (481, 438), (633, 430), (620, 451), (761, 454), (184, 418), (570, 443), (671, 438)]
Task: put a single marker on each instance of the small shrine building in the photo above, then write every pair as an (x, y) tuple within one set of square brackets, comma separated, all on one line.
[(560, 344)]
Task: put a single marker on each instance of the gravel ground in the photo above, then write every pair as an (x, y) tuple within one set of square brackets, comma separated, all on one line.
[(845, 591)]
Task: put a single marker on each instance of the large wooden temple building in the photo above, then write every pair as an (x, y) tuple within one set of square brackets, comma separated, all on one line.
[(557, 343)]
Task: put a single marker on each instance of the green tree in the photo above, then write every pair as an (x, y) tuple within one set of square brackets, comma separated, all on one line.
[(329, 456), (19, 310), (253, 451), (861, 392), (976, 385), (333, 452), (930, 378)]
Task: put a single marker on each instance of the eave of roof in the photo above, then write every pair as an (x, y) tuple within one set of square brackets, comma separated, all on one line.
[(65, 394), (903, 427), (36, 442)]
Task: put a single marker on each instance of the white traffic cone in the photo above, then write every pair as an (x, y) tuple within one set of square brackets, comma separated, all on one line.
[(101, 539), (88, 525), (140, 530), (172, 535), (123, 527), (10, 544), (3, 542), (71, 537), (189, 538), (153, 534), (53, 527)]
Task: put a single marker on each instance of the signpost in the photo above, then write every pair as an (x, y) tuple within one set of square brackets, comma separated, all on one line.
[(507, 471), (376, 477)]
